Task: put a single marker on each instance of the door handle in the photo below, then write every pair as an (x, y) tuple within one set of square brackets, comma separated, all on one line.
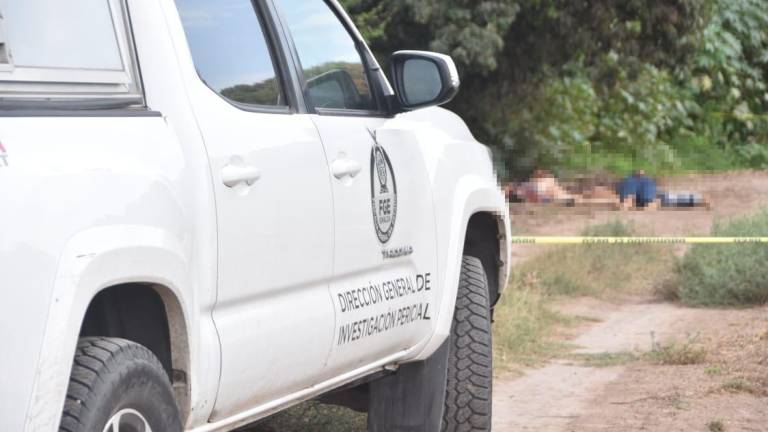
[(233, 175), (345, 168)]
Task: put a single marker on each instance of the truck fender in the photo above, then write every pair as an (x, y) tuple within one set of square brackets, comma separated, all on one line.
[(473, 194), (92, 260)]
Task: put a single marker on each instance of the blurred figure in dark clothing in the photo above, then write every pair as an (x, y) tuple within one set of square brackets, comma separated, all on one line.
[(638, 187)]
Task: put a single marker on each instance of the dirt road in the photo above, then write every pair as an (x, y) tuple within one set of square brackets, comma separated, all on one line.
[(730, 386), (625, 389)]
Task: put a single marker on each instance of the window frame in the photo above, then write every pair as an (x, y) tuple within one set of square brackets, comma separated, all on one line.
[(78, 88), (377, 94), (277, 57)]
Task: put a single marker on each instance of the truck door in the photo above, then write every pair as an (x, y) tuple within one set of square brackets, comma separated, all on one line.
[(385, 249), (273, 313)]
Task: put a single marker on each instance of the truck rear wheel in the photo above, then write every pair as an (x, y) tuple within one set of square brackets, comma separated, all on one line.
[(470, 352), (118, 385)]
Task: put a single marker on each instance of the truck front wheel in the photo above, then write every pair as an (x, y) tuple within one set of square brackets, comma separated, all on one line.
[(470, 353), (450, 391), (118, 385)]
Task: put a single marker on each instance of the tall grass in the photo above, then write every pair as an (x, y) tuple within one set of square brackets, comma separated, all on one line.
[(600, 269), (727, 275), (522, 322)]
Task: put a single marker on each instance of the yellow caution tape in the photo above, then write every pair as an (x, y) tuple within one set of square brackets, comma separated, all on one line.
[(635, 240)]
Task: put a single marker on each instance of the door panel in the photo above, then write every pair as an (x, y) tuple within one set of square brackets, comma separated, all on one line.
[(385, 251), (275, 251), (275, 214)]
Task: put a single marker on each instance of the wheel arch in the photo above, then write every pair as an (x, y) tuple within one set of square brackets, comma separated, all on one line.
[(484, 240), (106, 260), (478, 213), (151, 315)]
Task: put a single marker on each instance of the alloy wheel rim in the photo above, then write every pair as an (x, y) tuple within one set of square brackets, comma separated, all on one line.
[(127, 420)]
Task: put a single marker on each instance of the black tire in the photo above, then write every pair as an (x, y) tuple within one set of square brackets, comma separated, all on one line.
[(470, 355), (110, 375)]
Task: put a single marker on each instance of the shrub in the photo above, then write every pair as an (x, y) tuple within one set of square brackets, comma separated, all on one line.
[(716, 426), (739, 385), (727, 275), (678, 353)]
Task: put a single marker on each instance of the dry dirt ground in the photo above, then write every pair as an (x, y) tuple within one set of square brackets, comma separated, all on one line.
[(726, 391)]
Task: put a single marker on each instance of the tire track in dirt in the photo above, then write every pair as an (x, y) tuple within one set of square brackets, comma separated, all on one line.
[(549, 398), (566, 396)]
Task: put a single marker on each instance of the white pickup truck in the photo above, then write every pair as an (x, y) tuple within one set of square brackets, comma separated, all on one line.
[(220, 209)]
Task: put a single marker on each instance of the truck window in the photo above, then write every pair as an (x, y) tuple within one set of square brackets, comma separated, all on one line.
[(70, 52), (333, 69), (74, 34), (230, 50)]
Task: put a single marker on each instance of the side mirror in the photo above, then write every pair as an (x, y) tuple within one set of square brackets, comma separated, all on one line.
[(424, 79)]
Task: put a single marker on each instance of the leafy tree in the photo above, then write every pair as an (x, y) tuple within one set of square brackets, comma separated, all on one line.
[(730, 77), (589, 84)]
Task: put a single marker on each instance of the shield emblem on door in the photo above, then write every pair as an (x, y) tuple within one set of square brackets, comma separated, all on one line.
[(383, 194)]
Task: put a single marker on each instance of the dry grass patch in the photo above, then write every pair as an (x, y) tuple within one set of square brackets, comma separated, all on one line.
[(312, 416), (716, 426), (739, 385), (714, 370), (606, 359), (678, 353), (522, 325)]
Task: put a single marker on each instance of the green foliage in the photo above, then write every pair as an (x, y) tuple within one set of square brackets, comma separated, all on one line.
[(371, 18), (558, 122), (471, 31), (730, 72), (699, 152), (575, 85), (637, 115), (727, 275), (574, 124), (262, 93)]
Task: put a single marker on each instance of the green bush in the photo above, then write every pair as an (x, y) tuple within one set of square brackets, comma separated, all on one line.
[(730, 72), (727, 275), (699, 153), (555, 122), (638, 113), (574, 123)]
